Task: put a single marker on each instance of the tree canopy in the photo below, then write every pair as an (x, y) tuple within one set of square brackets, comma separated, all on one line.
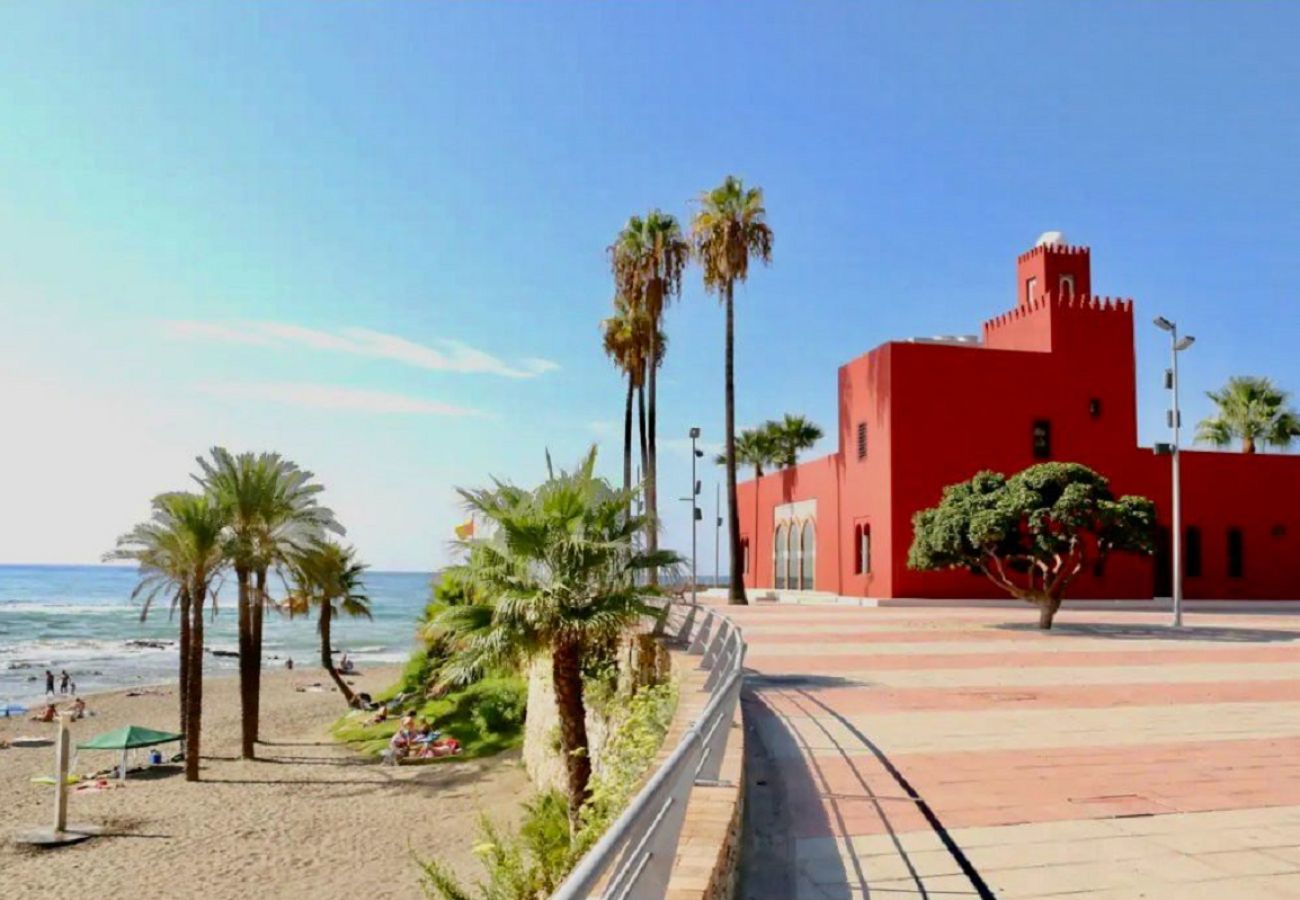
[(1252, 410), (1032, 533)]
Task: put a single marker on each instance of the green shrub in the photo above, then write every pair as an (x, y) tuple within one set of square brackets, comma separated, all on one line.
[(499, 704)]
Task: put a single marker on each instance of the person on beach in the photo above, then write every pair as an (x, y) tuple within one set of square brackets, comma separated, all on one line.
[(49, 683), (288, 663), (64, 680), (78, 709), (48, 714)]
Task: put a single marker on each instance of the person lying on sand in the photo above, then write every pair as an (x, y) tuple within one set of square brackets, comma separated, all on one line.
[(49, 714)]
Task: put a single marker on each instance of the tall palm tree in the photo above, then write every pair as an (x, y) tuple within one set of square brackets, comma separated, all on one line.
[(754, 447), (271, 511), (648, 259), (730, 228), (558, 575), (790, 436), (1252, 410), (179, 551), (621, 337), (329, 577)]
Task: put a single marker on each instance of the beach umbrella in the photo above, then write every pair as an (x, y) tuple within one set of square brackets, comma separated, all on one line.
[(129, 737)]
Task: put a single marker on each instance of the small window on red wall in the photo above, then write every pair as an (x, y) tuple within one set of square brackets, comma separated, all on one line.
[(744, 555), (862, 550)]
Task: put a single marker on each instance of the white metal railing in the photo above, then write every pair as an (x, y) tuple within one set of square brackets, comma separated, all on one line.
[(633, 860)]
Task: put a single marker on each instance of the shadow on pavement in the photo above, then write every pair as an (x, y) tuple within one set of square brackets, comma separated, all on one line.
[(1137, 632)]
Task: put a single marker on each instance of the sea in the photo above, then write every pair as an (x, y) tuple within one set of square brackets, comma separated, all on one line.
[(82, 619)]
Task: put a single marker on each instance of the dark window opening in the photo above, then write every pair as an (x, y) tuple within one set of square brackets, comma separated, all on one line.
[(862, 550), (1031, 287), (1192, 552), (744, 555), (1042, 439), (1236, 553), (1094, 407), (862, 440)]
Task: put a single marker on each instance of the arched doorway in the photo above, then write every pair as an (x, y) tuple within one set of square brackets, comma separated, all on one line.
[(779, 556), (807, 557)]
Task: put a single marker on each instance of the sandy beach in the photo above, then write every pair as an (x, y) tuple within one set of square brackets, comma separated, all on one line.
[(309, 819)]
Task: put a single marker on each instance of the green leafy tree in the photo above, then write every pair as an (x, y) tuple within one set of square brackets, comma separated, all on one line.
[(329, 578), (558, 575), (271, 512), (179, 551), (1252, 410), (1032, 533), (728, 231), (648, 259), (790, 436)]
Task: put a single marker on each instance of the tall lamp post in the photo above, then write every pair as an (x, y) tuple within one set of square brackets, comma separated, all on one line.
[(693, 499), (1177, 345)]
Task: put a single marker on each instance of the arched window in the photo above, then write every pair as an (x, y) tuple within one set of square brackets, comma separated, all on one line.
[(807, 556), (1067, 287), (792, 556), (779, 556)]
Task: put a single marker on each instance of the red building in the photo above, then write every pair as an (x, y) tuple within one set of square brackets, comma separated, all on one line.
[(1052, 379)]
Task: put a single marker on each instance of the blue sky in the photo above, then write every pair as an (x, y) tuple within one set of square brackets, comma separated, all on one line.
[(372, 236)]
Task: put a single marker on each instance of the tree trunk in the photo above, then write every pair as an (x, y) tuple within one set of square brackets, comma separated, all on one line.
[(259, 610), (327, 659), (652, 475), (1047, 607), (184, 664), (736, 591), (194, 687), (627, 437), (566, 673), (1247, 444), (247, 704), (640, 414)]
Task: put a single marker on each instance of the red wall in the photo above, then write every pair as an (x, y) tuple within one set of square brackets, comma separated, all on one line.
[(937, 413)]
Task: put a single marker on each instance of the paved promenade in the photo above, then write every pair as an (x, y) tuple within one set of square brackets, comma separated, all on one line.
[(960, 752)]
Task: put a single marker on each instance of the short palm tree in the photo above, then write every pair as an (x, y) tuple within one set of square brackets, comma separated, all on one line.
[(648, 259), (557, 577), (329, 577), (730, 229), (180, 552), (754, 447), (271, 511), (1252, 410), (790, 436)]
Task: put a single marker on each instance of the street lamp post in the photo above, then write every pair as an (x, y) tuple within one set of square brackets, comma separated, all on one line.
[(693, 499), (1176, 346)]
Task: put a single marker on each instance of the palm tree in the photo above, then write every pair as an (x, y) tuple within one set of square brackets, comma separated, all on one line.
[(1253, 410), (271, 511), (557, 576), (791, 435), (329, 577), (730, 227), (624, 345), (754, 447), (179, 551), (648, 259)]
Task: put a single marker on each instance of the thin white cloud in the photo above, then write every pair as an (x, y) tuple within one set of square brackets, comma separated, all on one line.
[(331, 397), (445, 355)]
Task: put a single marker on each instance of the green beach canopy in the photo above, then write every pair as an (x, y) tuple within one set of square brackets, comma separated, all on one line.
[(129, 738)]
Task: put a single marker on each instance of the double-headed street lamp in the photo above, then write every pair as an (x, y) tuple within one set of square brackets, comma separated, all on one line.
[(693, 500), (1177, 345)]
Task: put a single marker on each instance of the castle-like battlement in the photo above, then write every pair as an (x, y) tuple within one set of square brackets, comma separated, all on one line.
[(1123, 305), (1054, 250)]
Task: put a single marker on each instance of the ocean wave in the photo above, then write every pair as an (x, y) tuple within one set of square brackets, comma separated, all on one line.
[(56, 608)]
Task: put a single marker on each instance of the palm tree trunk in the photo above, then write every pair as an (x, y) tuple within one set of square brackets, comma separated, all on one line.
[(651, 479), (566, 674), (736, 593), (1247, 444), (259, 610), (184, 656), (640, 412), (627, 437), (194, 687), (327, 659), (247, 703)]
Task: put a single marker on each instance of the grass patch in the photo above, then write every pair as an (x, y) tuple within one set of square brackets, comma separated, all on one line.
[(487, 717)]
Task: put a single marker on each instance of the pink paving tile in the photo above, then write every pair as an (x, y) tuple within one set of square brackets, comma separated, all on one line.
[(868, 699), (998, 788), (761, 660)]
